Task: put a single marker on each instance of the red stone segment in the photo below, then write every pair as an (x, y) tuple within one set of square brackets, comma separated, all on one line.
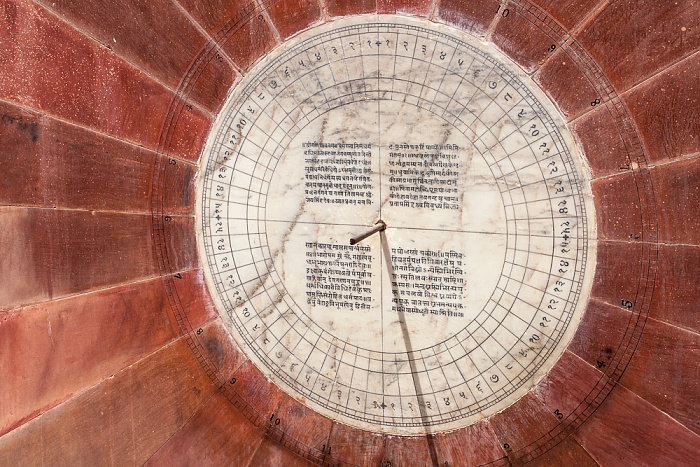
[(414, 7), (565, 83), (52, 253), (666, 109), (209, 83), (305, 429), (676, 297), (350, 7), (263, 397), (473, 16), (21, 133), (218, 434), (355, 447), (677, 189), (53, 68), (617, 207), (126, 417), (598, 136), (600, 334), (184, 133), (633, 39), (400, 450), (568, 13), (618, 268), (522, 424), (215, 16), (293, 16), (568, 385), (270, 453), (664, 372), (248, 31), (566, 453), (197, 306), (181, 244), (178, 192), (54, 164), (250, 42), (54, 350), (219, 349), (473, 445), (155, 36), (627, 430), (522, 41)]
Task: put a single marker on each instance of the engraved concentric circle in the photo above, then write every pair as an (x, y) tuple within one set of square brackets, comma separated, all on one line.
[(478, 283)]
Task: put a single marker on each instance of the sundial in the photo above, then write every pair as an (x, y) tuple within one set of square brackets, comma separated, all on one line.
[(395, 225), (290, 232)]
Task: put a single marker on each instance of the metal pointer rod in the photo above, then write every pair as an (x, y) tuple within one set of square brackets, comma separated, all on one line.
[(378, 227)]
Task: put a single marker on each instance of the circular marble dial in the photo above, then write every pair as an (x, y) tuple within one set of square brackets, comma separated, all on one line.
[(472, 291)]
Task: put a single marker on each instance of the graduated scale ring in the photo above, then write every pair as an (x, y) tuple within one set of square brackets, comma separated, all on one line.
[(474, 289)]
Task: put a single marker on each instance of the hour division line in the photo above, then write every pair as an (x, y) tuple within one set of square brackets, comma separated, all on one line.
[(364, 226)]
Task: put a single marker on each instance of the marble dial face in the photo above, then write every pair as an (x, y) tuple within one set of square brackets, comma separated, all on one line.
[(471, 293)]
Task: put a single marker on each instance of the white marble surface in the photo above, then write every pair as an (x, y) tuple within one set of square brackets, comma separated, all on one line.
[(478, 282)]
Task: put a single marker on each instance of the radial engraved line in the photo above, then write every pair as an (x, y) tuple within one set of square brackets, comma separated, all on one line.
[(381, 203)]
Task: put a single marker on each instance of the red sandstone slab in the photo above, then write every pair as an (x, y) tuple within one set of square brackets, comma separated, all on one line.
[(178, 189), (196, 305), (420, 450), (414, 7), (292, 16), (677, 189), (216, 16), (626, 430), (599, 138), (249, 42), (260, 394), (566, 453), (568, 385), (305, 429), (55, 164), (248, 33), (618, 271), (181, 243), (217, 434), (53, 68), (565, 83), (665, 372), (474, 445), (155, 36), (355, 447), (676, 296), (51, 253), (600, 334), (219, 350), (618, 210), (522, 424), (522, 41), (473, 16), (350, 7), (51, 351), (568, 13), (184, 132), (271, 453), (125, 418), (22, 158), (656, 34), (666, 111)]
